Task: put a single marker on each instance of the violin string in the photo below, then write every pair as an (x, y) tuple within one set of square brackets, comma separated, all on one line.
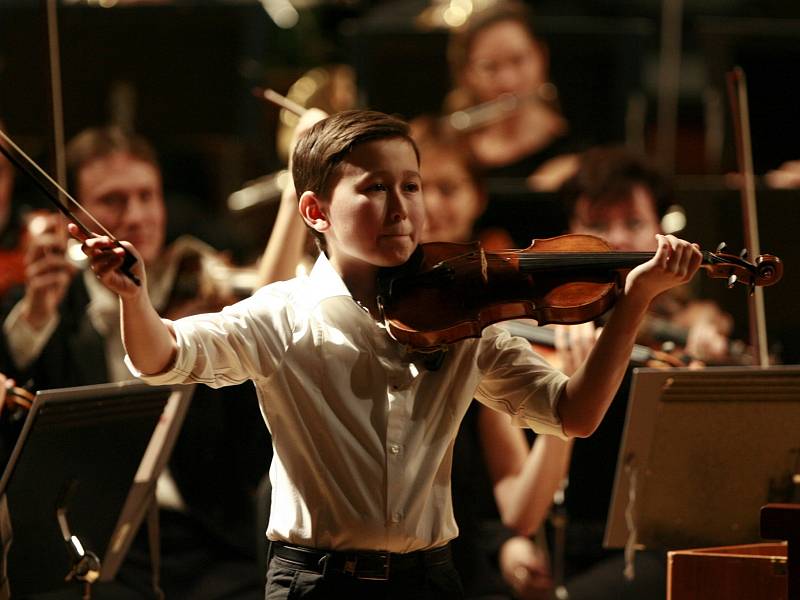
[(552, 260), (610, 257), (61, 190)]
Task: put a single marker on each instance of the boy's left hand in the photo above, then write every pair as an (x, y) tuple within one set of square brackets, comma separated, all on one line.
[(674, 263)]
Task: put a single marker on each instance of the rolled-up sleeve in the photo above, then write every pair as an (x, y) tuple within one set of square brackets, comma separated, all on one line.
[(240, 342), (517, 381)]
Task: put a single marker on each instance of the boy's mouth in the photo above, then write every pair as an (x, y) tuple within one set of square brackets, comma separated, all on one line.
[(396, 233)]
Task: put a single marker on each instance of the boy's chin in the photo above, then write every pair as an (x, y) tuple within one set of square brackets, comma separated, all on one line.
[(393, 262), (394, 258), (394, 252)]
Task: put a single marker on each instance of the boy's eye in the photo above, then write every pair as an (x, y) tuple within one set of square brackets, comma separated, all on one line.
[(412, 187), (377, 187)]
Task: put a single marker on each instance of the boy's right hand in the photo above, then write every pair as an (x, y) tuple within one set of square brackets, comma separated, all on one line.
[(105, 259)]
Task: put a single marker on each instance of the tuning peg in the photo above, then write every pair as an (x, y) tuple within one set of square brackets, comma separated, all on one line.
[(744, 254), (721, 247), (732, 280)]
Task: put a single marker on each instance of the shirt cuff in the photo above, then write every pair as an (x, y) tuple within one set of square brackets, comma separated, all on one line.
[(171, 374), (25, 343)]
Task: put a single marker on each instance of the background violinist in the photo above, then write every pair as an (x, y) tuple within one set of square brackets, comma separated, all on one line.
[(618, 195), (64, 332)]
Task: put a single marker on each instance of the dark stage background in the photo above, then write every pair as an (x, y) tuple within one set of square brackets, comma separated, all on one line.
[(182, 73)]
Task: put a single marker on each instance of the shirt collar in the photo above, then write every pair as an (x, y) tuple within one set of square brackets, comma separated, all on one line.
[(325, 281)]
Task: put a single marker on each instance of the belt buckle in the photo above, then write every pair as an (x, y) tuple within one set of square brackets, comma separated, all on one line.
[(351, 567)]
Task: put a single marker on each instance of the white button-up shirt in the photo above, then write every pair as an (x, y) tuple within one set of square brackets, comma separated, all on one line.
[(362, 434)]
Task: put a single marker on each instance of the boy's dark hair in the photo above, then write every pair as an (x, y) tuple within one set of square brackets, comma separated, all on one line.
[(461, 39), (609, 174), (320, 151), (99, 142)]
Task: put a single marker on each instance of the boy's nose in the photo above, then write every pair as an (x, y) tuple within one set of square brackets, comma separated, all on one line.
[(398, 210)]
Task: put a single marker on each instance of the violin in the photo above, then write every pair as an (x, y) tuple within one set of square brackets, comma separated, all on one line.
[(12, 269), (543, 337), (13, 261), (448, 291)]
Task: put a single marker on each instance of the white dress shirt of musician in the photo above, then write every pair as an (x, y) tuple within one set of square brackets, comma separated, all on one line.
[(363, 436)]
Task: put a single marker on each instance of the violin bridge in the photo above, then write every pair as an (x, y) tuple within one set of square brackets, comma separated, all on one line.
[(484, 268)]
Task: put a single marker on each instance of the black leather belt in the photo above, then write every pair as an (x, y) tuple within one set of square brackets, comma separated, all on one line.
[(359, 563)]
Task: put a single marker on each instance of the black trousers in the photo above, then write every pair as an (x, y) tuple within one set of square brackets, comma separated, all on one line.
[(288, 581)]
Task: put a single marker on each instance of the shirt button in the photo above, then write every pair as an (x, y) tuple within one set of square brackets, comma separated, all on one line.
[(394, 448)]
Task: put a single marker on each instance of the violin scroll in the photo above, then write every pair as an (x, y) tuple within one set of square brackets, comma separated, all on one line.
[(764, 271)]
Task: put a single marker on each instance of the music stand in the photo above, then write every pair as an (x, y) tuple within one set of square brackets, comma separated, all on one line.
[(702, 452), (97, 451)]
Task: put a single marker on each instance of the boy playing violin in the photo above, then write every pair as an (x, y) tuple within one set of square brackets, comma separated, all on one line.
[(362, 433)]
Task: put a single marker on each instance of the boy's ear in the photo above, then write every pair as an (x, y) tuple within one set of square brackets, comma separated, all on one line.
[(312, 212)]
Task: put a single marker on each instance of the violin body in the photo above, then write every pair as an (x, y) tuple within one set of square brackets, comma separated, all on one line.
[(12, 269), (484, 288), (447, 291)]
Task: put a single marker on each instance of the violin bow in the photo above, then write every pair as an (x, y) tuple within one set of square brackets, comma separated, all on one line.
[(61, 199), (57, 95), (40, 178), (737, 92)]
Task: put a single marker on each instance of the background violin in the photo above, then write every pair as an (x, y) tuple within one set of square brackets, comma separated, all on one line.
[(12, 269), (447, 292), (544, 341)]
